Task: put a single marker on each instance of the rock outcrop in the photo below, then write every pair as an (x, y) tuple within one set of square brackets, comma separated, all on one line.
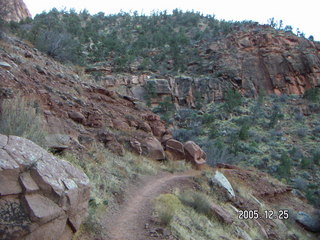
[(41, 197), (252, 59), (261, 58), (14, 10)]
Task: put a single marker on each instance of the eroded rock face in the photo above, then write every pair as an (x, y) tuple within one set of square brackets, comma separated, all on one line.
[(14, 10), (260, 58), (41, 197)]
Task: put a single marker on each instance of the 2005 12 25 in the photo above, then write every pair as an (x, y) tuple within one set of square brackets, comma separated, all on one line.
[(266, 214)]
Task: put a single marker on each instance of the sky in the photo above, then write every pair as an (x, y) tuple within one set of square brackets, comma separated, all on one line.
[(304, 15)]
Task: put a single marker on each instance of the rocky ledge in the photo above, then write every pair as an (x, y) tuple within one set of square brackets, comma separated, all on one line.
[(41, 196)]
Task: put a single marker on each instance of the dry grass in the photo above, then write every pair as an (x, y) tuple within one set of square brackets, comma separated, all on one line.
[(109, 175), (20, 117), (197, 200), (166, 206)]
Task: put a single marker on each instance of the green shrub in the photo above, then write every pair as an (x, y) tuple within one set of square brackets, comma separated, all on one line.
[(213, 132), (305, 162), (276, 115), (22, 118), (218, 152), (284, 168), (184, 135), (208, 118), (199, 101), (301, 132), (312, 94), (232, 100), (151, 93), (316, 157), (165, 109), (59, 45), (244, 131)]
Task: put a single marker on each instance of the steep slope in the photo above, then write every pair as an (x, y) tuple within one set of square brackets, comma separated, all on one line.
[(75, 108), (14, 10)]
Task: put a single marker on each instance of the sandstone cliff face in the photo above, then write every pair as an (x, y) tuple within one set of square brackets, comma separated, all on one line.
[(254, 59), (41, 197), (14, 10), (263, 58)]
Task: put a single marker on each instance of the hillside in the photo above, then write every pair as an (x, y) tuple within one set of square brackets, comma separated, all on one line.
[(135, 102), (245, 54)]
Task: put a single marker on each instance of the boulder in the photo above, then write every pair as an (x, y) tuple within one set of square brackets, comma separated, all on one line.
[(221, 213), (152, 148), (175, 150), (77, 117), (194, 153), (222, 182), (309, 222), (110, 141), (158, 128), (5, 65), (41, 196)]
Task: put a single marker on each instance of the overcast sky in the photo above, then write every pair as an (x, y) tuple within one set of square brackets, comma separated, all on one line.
[(304, 14)]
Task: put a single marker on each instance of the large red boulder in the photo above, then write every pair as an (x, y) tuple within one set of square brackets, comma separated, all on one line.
[(194, 153), (175, 150), (152, 148)]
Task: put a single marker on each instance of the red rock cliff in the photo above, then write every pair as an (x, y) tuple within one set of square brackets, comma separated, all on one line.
[(14, 10)]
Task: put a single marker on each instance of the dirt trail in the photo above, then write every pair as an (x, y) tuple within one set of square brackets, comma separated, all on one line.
[(129, 222)]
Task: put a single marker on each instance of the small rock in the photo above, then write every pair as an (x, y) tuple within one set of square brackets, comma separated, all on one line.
[(58, 142), (5, 65), (28, 55), (77, 117), (41, 70)]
